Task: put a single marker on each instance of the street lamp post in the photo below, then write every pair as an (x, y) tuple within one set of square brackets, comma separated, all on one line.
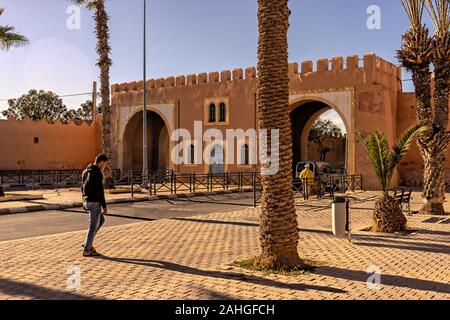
[(145, 155)]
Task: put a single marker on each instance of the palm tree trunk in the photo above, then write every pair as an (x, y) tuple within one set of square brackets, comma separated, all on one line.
[(279, 227), (388, 216), (435, 152), (104, 63)]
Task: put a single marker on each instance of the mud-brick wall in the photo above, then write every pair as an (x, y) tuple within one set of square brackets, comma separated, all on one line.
[(38, 145), (411, 168)]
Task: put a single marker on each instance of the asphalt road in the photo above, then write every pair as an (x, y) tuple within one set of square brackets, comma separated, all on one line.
[(33, 224)]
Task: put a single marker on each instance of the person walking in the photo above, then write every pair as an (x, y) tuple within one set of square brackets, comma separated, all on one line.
[(94, 201)]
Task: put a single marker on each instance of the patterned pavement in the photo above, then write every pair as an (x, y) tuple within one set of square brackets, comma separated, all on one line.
[(190, 258)]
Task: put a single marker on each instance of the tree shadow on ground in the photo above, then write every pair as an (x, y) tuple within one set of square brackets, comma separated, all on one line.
[(223, 275), (16, 288), (415, 246), (386, 279), (402, 239), (237, 223), (435, 232)]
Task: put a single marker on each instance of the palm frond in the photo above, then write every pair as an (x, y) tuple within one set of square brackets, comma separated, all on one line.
[(1, 10), (88, 4), (402, 146), (9, 38), (414, 9), (371, 146), (439, 11), (383, 161)]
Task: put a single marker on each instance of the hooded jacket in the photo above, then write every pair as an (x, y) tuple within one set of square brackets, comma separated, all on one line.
[(92, 185)]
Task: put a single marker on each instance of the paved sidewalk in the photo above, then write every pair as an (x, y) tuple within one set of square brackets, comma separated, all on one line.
[(189, 258), (71, 198)]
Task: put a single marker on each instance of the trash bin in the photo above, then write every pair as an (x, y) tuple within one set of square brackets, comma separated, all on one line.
[(338, 216)]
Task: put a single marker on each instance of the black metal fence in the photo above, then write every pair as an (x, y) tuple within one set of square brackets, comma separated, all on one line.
[(170, 182)]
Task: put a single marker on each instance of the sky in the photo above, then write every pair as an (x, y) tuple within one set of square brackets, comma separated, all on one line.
[(184, 36)]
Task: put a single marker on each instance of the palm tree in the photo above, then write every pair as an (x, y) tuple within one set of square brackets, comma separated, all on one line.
[(388, 216), (9, 38), (279, 227), (417, 52), (435, 173), (104, 63)]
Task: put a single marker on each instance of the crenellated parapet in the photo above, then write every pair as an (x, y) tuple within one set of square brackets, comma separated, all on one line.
[(369, 63), (30, 123)]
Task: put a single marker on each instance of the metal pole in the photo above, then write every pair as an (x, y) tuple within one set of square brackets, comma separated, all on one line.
[(144, 149), (94, 100)]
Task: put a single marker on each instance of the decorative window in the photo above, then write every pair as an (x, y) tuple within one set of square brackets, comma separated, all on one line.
[(245, 160), (223, 113), (217, 111), (212, 113)]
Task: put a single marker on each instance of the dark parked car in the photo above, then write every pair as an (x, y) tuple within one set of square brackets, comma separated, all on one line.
[(319, 168), (324, 172)]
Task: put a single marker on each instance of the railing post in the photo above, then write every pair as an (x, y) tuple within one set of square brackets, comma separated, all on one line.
[(132, 184), (174, 182), (223, 181), (254, 189), (32, 180), (195, 181)]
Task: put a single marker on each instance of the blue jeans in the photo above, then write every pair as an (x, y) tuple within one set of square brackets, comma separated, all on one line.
[(96, 221)]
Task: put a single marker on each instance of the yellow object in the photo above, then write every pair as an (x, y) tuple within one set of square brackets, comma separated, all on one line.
[(307, 175)]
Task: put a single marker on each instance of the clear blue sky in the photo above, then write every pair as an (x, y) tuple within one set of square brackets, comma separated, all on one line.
[(184, 36)]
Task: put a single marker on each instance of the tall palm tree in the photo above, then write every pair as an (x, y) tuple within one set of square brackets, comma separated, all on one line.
[(388, 216), (417, 52), (434, 191), (104, 63), (9, 38), (279, 227)]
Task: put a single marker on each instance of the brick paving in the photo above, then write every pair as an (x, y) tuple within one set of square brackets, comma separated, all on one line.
[(190, 258)]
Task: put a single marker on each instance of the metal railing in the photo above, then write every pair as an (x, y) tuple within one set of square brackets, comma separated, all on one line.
[(320, 187), (170, 182)]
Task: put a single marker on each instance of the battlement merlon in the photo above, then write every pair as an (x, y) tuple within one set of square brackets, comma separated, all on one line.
[(28, 122), (370, 63)]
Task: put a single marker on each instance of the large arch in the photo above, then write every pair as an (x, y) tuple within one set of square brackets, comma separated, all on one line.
[(304, 113), (158, 144)]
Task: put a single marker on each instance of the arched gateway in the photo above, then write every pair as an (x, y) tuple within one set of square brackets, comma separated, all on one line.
[(365, 92)]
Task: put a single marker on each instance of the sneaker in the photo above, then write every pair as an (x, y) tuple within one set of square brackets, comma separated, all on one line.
[(91, 253), (92, 248)]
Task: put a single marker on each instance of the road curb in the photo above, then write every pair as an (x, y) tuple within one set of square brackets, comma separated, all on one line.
[(79, 204)]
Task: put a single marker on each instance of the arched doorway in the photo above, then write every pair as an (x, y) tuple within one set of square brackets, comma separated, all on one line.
[(157, 139), (217, 160), (303, 118)]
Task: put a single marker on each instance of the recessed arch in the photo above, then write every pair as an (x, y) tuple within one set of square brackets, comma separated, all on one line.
[(305, 112), (158, 142)]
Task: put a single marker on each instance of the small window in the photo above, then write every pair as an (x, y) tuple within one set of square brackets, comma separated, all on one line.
[(36, 140), (212, 113), (192, 154), (223, 113), (245, 155)]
